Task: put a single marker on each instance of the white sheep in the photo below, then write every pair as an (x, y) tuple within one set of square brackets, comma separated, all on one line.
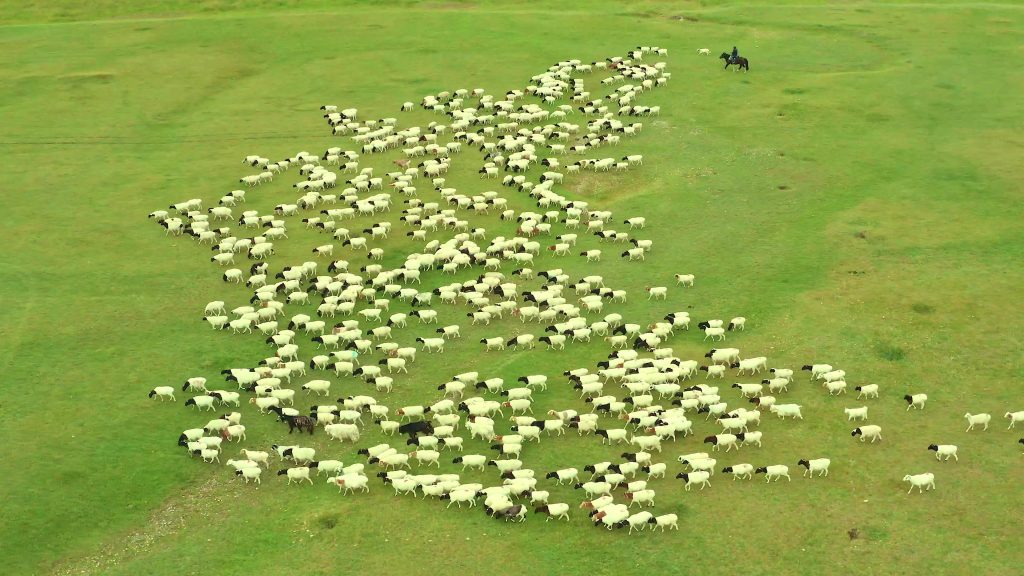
[(872, 431), (819, 465), (657, 292), (856, 413), (973, 419), (923, 482), (947, 450), (701, 477), (163, 392), (869, 390), (1014, 417), (739, 471), (916, 401), (250, 474), (777, 471), (665, 521)]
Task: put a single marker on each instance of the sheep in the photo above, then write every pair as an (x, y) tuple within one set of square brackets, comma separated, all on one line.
[(200, 402), (750, 437), (297, 474), (458, 496), (640, 497), (717, 371), (973, 419), (657, 292), (432, 344), (739, 471), (163, 392), (352, 482), (691, 478), (493, 343), (777, 471), (753, 365), (558, 510), (737, 323), (749, 390), (317, 386), (856, 413), (869, 390), (785, 410), (819, 465), (471, 461), (426, 457), (816, 370), (1014, 417), (719, 440), (670, 521), (923, 482), (915, 401), (257, 456), (714, 333), (595, 488), (947, 450), (836, 387), (250, 473), (872, 431)]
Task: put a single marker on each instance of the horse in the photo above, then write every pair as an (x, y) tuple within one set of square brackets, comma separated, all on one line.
[(740, 61)]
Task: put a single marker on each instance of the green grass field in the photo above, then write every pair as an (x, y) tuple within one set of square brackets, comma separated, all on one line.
[(856, 196)]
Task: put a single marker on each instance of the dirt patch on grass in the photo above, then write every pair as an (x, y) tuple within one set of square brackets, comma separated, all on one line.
[(171, 517)]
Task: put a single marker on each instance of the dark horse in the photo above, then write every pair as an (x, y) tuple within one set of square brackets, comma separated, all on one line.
[(739, 61)]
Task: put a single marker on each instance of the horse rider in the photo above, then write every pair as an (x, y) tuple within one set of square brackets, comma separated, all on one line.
[(735, 54)]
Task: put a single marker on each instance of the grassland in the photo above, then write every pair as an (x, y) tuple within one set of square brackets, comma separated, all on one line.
[(895, 120)]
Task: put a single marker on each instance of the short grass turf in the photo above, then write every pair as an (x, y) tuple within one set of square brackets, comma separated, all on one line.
[(897, 121)]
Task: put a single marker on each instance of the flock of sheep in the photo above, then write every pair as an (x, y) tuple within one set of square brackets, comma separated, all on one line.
[(642, 396)]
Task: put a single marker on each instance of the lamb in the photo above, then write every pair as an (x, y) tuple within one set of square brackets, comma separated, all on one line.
[(973, 419), (872, 431), (777, 471), (869, 390), (558, 510), (819, 465), (163, 392), (947, 450), (699, 477), (923, 482), (1014, 417), (916, 401), (739, 471), (297, 474), (856, 413)]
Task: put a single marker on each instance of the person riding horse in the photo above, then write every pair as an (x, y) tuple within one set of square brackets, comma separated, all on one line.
[(735, 55)]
